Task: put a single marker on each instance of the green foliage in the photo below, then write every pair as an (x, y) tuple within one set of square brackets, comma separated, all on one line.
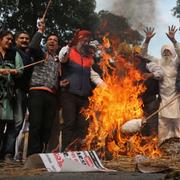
[(176, 10), (64, 17)]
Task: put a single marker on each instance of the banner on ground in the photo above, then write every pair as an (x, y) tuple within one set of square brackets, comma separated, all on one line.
[(75, 161)]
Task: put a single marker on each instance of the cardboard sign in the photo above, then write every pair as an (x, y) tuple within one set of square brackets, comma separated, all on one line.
[(75, 161)]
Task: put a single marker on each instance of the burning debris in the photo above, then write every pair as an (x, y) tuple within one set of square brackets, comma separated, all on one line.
[(112, 106)]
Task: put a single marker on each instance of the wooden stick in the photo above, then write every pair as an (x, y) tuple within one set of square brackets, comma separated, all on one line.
[(43, 18), (45, 12), (32, 64), (160, 109), (25, 147)]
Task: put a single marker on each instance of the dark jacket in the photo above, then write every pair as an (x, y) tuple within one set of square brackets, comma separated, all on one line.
[(46, 73), (77, 71), (23, 81), (151, 84)]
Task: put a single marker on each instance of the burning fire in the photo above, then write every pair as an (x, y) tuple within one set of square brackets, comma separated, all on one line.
[(112, 106)]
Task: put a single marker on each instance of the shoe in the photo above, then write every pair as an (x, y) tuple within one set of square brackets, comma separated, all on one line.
[(18, 157)]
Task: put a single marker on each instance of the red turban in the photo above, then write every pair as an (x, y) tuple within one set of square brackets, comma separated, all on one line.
[(80, 34)]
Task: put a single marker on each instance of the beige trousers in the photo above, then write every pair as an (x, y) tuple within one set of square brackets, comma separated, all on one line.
[(168, 128)]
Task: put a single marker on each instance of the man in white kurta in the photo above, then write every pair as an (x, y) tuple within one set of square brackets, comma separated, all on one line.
[(169, 117)]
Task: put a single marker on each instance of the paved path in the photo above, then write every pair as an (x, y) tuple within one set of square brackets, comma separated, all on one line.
[(91, 176)]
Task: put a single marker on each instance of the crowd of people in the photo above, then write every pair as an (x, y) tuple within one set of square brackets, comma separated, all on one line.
[(63, 79), (65, 75)]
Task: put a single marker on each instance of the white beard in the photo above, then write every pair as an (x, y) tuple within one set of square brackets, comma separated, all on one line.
[(166, 60)]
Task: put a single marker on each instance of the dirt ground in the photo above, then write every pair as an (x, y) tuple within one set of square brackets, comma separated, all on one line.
[(123, 164)]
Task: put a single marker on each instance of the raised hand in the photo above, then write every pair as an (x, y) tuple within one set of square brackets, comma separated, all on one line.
[(147, 75), (4, 71), (64, 83), (13, 71), (41, 25), (171, 33), (149, 31)]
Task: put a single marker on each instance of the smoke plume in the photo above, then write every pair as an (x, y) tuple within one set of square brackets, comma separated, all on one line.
[(140, 13)]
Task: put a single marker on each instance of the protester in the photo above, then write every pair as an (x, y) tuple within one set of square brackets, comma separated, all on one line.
[(169, 117), (77, 62), (10, 62), (150, 96), (22, 40), (43, 92)]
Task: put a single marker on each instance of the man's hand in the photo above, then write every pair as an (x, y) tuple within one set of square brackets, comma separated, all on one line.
[(144, 121), (147, 75), (41, 25), (63, 54), (13, 71), (64, 83), (171, 33), (149, 34), (4, 71), (8, 71)]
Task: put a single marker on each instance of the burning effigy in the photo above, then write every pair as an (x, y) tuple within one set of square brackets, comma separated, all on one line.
[(112, 106)]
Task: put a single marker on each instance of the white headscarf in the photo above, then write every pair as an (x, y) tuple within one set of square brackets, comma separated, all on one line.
[(171, 49)]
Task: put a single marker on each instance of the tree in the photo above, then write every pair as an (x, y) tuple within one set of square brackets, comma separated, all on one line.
[(176, 9), (63, 17)]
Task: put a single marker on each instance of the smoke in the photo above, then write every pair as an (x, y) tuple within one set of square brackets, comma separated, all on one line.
[(140, 13)]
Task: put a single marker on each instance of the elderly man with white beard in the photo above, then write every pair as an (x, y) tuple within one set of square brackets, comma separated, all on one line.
[(169, 117)]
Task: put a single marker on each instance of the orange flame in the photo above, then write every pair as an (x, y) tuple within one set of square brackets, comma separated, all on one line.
[(106, 41), (112, 106)]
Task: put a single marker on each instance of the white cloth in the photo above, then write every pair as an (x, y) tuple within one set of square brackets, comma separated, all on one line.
[(94, 76), (167, 86), (167, 82), (168, 128), (96, 79), (63, 52), (155, 69), (168, 91), (94, 44), (170, 48), (132, 126)]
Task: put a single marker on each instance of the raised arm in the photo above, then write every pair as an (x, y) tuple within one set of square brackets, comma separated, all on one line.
[(35, 42), (36, 50), (149, 32), (149, 35), (171, 35), (96, 79)]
